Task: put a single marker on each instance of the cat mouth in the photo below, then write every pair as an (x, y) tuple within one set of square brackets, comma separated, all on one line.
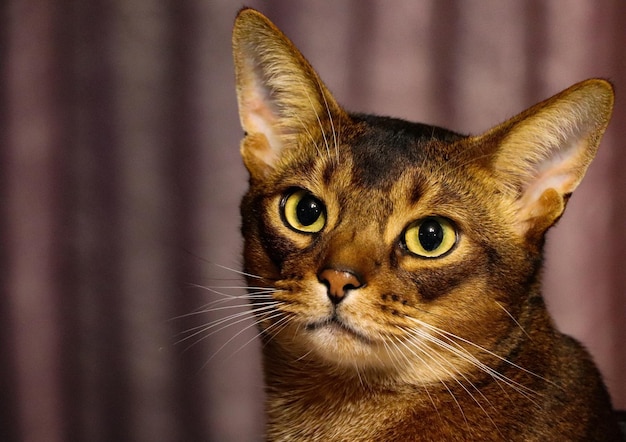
[(336, 324)]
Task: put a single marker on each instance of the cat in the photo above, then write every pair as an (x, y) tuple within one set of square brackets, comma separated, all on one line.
[(394, 267)]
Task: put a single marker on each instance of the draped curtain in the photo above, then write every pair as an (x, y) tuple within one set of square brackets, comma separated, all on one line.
[(120, 180)]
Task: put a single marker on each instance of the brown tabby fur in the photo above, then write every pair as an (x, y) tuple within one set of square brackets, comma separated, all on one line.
[(458, 347)]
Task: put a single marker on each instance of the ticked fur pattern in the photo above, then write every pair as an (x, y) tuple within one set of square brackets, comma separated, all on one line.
[(394, 267)]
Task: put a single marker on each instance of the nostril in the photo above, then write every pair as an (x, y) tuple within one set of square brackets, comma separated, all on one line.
[(338, 283)]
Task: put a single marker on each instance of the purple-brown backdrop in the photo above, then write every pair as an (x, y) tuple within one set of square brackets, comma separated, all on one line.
[(120, 179)]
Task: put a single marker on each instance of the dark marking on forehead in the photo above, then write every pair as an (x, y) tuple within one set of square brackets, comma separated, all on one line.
[(385, 210), (385, 147), (329, 170), (418, 187)]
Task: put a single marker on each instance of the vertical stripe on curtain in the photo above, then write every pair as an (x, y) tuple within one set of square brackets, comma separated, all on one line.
[(33, 255)]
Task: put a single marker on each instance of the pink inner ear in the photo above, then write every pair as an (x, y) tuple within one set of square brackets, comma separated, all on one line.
[(561, 172), (261, 120), (556, 176), (258, 116)]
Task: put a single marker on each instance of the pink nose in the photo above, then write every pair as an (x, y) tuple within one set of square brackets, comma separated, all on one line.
[(339, 283)]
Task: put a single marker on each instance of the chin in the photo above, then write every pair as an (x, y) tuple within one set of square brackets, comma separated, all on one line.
[(345, 348)]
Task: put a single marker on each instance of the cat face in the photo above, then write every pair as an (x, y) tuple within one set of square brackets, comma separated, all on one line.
[(381, 249), (378, 245)]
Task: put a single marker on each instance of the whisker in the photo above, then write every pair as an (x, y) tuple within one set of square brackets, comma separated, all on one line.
[(201, 329), (456, 349), (211, 306), (471, 395), (317, 116), (434, 358), (513, 319), (309, 134), (217, 289), (271, 317), (227, 307), (239, 272), (279, 325), (330, 118), (459, 351), (396, 340), (221, 266), (453, 336), (239, 333), (431, 357), (221, 324)]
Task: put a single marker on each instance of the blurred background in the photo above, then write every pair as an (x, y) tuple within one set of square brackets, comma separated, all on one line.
[(120, 180)]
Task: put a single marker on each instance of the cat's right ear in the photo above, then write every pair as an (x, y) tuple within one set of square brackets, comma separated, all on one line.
[(280, 97), (541, 155)]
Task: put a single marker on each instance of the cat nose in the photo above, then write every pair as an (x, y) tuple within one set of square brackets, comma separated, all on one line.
[(338, 283)]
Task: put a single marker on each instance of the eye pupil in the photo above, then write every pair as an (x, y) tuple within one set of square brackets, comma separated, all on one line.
[(303, 212), (430, 235), (308, 210)]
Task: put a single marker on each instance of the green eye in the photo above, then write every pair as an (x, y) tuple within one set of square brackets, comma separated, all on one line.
[(303, 212), (430, 237)]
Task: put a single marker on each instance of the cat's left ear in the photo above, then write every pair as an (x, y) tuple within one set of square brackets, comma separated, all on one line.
[(282, 101), (541, 155)]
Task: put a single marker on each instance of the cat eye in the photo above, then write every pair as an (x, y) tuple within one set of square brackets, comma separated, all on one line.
[(430, 237), (303, 212)]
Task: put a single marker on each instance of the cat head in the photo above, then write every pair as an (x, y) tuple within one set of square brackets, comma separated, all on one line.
[(370, 241)]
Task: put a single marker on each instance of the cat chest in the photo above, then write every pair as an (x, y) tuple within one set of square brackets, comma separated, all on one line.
[(320, 415)]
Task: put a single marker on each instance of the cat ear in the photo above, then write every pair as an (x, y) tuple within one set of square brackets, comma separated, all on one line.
[(280, 96), (543, 153)]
